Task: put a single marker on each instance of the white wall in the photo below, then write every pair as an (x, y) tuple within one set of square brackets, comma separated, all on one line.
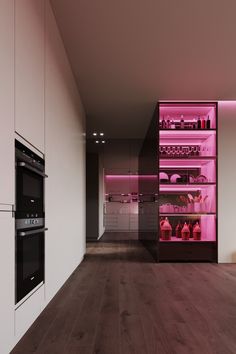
[(227, 182), (65, 164)]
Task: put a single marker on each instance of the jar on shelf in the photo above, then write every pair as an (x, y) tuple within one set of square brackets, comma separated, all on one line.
[(166, 229), (185, 233), (197, 232), (178, 230)]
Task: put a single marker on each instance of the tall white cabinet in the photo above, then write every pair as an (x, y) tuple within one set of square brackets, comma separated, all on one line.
[(7, 102), (29, 70), (7, 174), (7, 280)]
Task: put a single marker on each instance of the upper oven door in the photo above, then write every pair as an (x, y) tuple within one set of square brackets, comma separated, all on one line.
[(29, 192)]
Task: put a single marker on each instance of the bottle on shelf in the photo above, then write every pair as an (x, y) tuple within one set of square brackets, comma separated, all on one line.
[(172, 125), (168, 123), (203, 123), (208, 123), (194, 123), (197, 232), (185, 233), (182, 122), (199, 123), (163, 123)]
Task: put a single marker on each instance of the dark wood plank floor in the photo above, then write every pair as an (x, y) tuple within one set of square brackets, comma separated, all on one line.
[(119, 302)]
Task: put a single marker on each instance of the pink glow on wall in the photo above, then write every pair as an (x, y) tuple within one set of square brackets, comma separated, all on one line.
[(130, 176), (228, 103)]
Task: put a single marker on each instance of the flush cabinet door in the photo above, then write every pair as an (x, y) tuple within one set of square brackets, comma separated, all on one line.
[(7, 262), (29, 71), (7, 102)]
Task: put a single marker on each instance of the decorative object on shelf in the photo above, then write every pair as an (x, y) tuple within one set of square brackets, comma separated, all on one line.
[(163, 177), (197, 232), (166, 229), (185, 232), (191, 179), (201, 179), (174, 178)]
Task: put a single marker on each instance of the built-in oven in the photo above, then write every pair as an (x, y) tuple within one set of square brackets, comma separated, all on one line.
[(30, 224), (29, 183), (29, 260)]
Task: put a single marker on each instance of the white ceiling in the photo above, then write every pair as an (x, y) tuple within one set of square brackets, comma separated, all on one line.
[(127, 54)]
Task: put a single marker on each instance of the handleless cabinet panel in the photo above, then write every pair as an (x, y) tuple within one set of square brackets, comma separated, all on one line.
[(7, 281), (7, 102), (29, 71)]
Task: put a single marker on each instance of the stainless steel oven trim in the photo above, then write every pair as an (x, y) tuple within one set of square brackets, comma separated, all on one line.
[(24, 164), (32, 232), (26, 224)]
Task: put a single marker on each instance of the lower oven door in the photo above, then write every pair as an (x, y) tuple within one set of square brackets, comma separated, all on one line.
[(29, 261)]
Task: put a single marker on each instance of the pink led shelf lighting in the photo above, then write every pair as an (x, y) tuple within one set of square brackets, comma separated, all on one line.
[(187, 167)]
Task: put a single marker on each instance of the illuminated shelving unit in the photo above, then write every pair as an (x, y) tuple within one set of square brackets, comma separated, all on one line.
[(187, 169)]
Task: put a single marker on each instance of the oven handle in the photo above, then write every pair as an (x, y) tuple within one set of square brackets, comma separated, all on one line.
[(24, 164), (27, 233)]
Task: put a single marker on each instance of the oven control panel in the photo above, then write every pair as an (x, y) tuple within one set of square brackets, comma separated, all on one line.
[(29, 223)]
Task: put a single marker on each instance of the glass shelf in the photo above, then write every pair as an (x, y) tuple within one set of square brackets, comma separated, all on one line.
[(191, 240), (162, 185), (185, 214), (179, 187), (187, 158), (186, 129)]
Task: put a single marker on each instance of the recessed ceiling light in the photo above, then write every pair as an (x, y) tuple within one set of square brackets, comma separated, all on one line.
[(101, 134), (97, 141), (95, 134), (103, 141)]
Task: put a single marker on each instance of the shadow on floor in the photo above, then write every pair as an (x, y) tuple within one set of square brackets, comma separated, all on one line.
[(118, 251)]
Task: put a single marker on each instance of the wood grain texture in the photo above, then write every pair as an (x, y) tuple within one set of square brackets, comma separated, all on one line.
[(119, 302)]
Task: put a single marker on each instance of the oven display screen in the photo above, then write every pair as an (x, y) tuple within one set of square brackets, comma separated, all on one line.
[(31, 186)]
